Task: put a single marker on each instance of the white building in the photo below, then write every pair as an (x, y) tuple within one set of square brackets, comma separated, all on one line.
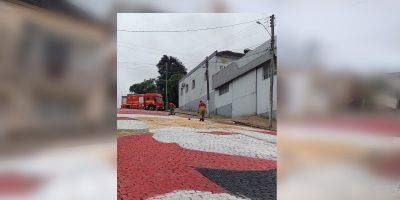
[(239, 88), (193, 87)]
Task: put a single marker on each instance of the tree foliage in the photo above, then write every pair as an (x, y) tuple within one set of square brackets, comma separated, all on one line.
[(173, 88), (175, 66), (176, 70), (147, 86)]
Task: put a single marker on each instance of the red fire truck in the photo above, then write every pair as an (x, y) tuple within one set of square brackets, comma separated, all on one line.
[(148, 101)]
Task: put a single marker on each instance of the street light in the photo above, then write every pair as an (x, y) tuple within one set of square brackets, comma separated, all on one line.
[(258, 22), (272, 69)]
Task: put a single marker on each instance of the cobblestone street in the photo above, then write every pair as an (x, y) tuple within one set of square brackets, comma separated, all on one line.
[(172, 157)]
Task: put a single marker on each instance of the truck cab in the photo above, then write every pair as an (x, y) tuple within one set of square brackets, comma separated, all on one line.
[(148, 101), (153, 101)]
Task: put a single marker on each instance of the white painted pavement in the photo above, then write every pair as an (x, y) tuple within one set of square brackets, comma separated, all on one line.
[(237, 144), (131, 125), (196, 195)]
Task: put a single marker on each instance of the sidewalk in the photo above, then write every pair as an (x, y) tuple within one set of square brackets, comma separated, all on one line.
[(251, 121), (178, 158)]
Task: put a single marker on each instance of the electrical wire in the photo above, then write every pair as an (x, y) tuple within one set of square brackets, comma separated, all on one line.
[(232, 39), (188, 30), (155, 64), (157, 54), (139, 63), (135, 45), (247, 36)]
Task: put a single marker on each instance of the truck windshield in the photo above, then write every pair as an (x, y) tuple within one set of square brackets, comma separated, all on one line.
[(158, 99)]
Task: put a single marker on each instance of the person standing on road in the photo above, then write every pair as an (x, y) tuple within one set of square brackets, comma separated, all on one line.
[(171, 108), (202, 110)]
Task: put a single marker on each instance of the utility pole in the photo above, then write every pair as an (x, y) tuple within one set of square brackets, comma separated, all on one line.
[(208, 89), (166, 85), (272, 70)]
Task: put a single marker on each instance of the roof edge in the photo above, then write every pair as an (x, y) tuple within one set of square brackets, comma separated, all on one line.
[(198, 66)]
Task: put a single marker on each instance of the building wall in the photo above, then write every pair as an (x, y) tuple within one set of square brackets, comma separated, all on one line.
[(223, 103), (244, 95), (190, 100), (263, 94), (242, 99), (248, 94), (225, 110)]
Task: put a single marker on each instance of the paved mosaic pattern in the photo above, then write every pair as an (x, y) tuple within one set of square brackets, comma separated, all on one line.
[(125, 118), (194, 163), (129, 124), (147, 167), (233, 144), (192, 194), (252, 184)]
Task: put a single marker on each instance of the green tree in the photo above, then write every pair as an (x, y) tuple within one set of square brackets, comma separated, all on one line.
[(146, 86), (175, 66), (176, 70), (173, 88)]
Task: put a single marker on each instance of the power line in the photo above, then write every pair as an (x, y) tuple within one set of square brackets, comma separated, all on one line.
[(247, 35), (242, 35), (232, 38), (188, 30), (151, 64), (137, 68), (155, 64), (135, 45), (255, 45), (139, 63), (156, 54)]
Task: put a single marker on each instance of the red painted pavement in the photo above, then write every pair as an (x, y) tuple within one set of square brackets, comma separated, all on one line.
[(148, 168)]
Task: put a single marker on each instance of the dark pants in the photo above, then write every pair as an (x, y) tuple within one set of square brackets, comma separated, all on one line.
[(202, 112)]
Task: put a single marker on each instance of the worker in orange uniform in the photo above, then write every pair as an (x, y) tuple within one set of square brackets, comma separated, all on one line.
[(171, 108), (202, 110)]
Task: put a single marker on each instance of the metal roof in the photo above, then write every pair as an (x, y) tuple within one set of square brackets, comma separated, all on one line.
[(249, 61), (215, 53)]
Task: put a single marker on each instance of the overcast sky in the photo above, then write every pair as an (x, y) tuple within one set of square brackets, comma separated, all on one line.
[(362, 35), (138, 53)]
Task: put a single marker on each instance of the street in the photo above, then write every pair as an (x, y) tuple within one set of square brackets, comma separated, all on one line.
[(174, 157)]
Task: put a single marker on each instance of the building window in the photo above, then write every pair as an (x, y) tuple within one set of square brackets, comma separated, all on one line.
[(181, 91), (221, 67), (267, 70), (193, 84), (223, 89), (186, 88)]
